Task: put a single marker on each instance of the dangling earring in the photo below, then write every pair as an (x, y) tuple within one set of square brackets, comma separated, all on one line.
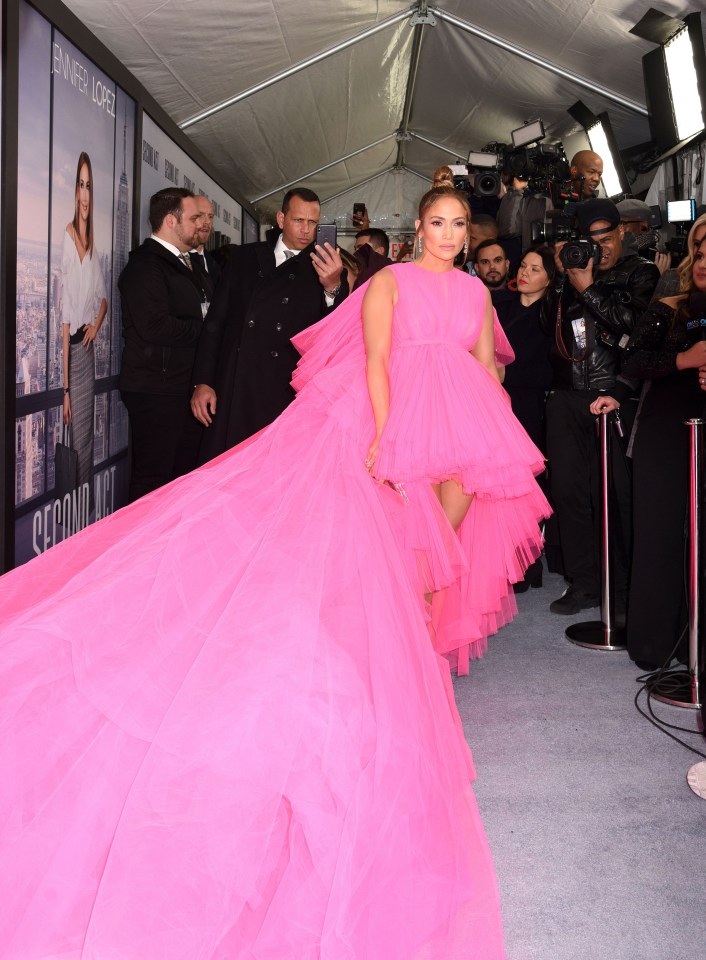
[(465, 248), (420, 247)]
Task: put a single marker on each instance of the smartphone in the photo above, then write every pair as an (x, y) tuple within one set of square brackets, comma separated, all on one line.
[(326, 233), (656, 217), (680, 211), (358, 209)]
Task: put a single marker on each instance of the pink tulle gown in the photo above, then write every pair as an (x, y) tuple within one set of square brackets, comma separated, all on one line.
[(224, 731)]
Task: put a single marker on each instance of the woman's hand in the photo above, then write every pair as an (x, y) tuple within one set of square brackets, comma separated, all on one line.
[(603, 405), (663, 261), (67, 408), (693, 358), (372, 453), (90, 332)]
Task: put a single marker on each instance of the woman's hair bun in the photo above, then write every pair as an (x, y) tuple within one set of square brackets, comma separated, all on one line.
[(443, 177)]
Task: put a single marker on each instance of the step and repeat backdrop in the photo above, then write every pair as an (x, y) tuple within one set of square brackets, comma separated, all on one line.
[(78, 161)]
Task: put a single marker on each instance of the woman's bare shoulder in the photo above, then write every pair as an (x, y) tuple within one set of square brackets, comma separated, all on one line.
[(384, 283)]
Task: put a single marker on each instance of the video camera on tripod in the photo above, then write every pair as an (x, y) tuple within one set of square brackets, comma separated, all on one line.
[(542, 166)]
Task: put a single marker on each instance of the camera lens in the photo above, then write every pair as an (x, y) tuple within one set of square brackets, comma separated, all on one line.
[(574, 255), (487, 184)]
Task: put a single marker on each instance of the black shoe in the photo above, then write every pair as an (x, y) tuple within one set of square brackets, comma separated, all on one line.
[(522, 586), (647, 666), (533, 575), (573, 601)]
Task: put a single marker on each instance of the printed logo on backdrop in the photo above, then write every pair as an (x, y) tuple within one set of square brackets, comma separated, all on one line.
[(76, 145), (165, 164)]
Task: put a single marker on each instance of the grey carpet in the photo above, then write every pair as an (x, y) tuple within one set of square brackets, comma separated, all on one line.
[(598, 842)]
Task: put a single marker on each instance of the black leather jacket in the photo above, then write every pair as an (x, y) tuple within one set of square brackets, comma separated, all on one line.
[(610, 308)]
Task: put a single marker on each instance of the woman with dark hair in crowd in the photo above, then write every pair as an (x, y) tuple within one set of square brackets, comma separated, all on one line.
[(226, 733), (664, 352), (529, 377)]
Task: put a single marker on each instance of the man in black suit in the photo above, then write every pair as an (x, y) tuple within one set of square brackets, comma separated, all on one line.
[(163, 308), (203, 263), (267, 294)]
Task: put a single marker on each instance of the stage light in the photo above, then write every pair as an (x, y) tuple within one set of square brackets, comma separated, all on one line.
[(531, 132), (602, 141), (675, 77), (683, 84), (613, 177), (483, 159)]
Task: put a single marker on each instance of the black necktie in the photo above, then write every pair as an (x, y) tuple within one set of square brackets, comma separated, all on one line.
[(198, 264), (197, 261)]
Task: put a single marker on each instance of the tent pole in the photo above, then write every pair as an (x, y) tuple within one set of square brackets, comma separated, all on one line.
[(409, 92), (591, 85), (439, 146), (295, 68), (326, 166), (422, 176), (354, 186)]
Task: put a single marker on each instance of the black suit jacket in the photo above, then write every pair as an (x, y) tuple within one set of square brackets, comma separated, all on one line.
[(162, 321), (245, 352), (213, 267), (208, 277)]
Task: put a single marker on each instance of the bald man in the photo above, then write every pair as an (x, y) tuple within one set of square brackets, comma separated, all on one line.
[(586, 173)]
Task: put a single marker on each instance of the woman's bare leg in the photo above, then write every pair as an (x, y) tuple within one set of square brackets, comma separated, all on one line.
[(455, 502)]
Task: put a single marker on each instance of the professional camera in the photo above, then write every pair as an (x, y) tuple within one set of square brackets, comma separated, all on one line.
[(562, 226), (485, 170), (542, 165), (579, 253)]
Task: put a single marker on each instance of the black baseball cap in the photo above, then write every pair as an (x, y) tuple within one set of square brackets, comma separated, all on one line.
[(596, 209)]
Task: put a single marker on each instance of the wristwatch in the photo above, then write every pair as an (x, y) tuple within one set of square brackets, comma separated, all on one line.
[(333, 293), (66, 390)]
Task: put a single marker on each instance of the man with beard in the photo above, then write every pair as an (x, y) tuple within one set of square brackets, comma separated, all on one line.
[(162, 301), (204, 265), (491, 265), (586, 172)]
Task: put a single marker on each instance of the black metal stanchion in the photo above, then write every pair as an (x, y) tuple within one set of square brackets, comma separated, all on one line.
[(602, 634), (689, 694)]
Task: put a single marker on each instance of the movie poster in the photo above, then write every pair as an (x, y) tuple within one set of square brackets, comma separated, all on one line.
[(164, 164), (76, 147)]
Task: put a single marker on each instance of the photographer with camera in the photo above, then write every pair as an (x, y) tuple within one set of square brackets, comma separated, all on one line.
[(640, 237), (519, 209), (590, 314)]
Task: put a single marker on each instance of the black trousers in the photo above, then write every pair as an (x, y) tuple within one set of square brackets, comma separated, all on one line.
[(575, 484), (658, 611), (164, 440)]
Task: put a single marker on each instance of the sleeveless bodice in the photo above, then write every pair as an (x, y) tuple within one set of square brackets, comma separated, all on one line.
[(436, 309)]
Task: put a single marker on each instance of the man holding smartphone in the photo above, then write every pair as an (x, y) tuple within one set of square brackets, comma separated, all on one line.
[(267, 294)]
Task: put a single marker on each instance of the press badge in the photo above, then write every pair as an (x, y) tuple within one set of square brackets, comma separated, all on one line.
[(204, 308), (579, 332)]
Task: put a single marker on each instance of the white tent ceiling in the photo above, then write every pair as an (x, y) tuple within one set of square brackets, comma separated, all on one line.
[(451, 87)]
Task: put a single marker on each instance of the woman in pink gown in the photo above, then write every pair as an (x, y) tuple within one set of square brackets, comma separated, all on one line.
[(224, 732)]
